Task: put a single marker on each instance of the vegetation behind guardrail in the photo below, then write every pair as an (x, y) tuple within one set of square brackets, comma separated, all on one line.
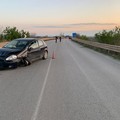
[(109, 37)]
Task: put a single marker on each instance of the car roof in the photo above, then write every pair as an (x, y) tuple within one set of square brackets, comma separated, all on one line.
[(29, 39)]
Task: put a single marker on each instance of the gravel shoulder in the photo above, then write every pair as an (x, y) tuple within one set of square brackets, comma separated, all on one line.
[(2, 44)]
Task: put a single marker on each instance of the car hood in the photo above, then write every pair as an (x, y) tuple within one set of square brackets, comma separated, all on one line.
[(5, 52)]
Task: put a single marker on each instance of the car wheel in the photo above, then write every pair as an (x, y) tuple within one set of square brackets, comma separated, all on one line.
[(26, 62), (45, 55)]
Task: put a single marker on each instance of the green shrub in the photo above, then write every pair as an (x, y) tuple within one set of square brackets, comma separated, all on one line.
[(109, 37), (13, 33), (83, 37)]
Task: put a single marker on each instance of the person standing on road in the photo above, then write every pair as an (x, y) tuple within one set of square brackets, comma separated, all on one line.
[(60, 38), (56, 39)]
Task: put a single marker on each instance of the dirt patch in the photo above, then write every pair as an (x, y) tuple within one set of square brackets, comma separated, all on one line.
[(2, 44)]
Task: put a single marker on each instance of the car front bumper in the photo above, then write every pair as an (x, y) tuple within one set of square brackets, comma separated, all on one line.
[(9, 64)]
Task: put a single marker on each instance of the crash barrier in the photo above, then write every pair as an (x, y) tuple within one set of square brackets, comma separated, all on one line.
[(113, 48), (47, 39)]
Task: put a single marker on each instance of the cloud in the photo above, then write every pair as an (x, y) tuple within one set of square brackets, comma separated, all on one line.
[(73, 25), (85, 24), (53, 26)]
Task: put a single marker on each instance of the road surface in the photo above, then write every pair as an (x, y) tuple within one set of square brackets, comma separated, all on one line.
[(79, 84)]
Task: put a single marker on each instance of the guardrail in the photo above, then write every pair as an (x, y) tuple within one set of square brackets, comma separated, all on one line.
[(47, 39), (108, 47)]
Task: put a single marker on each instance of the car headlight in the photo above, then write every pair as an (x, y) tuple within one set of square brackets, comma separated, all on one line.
[(12, 57)]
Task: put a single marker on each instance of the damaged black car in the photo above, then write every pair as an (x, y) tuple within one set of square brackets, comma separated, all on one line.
[(22, 51)]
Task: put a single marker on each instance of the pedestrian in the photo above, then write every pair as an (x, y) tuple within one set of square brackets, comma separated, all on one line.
[(56, 39), (60, 38)]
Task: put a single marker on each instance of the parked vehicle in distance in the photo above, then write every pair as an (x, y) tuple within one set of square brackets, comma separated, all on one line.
[(22, 51)]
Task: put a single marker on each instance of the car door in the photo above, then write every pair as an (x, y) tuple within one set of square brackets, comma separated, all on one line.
[(33, 51), (42, 47)]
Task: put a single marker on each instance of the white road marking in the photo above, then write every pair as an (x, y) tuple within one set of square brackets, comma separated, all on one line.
[(111, 109), (34, 117)]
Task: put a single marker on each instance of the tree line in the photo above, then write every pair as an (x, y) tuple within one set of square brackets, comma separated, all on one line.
[(83, 37), (109, 37), (106, 36), (10, 33)]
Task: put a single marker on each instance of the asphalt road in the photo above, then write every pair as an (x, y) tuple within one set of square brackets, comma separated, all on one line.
[(79, 84)]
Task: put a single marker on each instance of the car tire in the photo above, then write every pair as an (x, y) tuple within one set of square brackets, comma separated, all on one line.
[(26, 62), (45, 55)]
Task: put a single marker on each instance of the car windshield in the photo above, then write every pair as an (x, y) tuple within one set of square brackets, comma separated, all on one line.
[(16, 44)]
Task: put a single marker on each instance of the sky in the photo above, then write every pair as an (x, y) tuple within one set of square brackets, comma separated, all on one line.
[(55, 17)]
